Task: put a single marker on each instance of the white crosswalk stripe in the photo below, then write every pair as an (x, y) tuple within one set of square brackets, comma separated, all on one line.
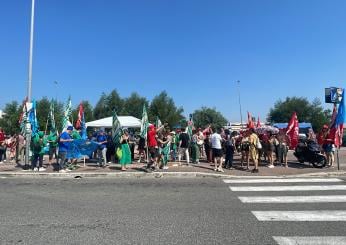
[(311, 240), (287, 215), (320, 215), (294, 199), (281, 180), (290, 188)]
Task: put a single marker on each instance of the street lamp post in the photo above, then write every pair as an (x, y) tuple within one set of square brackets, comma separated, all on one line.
[(241, 114), (28, 134)]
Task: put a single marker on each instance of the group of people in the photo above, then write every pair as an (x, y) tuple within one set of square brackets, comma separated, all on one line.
[(216, 146), (12, 147)]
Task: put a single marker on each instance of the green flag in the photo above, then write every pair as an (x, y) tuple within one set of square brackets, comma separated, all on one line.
[(144, 123), (190, 127), (116, 130), (67, 113), (51, 117), (158, 122)]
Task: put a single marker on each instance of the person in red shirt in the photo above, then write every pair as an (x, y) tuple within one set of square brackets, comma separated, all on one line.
[(153, 146), (2, 144)]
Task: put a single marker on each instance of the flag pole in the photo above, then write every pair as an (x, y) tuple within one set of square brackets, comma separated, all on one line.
[(28, 134), (337, 158)]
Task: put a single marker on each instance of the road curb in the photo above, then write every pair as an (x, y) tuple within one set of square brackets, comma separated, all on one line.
[(157, 175)]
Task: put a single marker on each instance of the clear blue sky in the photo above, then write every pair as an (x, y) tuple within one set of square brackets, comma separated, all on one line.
[(193, 49)]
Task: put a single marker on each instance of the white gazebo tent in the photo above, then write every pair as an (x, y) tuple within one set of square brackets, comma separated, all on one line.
[(125, 122)]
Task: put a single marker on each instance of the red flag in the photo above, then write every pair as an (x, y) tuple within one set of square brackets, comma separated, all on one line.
[(333, 135), (293, 130), (80, 115), (250, 123), (21, 116), (258, 123)]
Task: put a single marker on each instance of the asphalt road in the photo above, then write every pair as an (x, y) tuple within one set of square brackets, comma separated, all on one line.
[(151, 211)]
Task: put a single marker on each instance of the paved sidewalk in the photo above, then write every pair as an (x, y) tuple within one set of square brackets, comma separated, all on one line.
[(202, 169)]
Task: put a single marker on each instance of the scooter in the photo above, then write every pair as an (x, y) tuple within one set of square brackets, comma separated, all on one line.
[(309, 151)]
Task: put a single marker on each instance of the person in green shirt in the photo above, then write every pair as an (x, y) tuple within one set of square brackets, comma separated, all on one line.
[(37, 148), (52, 139)]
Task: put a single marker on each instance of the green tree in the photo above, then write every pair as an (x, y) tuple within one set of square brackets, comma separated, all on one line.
[(133, 105), (59, 109), (163, 106), (205, 116), (42, 111), (306, 111), (100, 110), (10, 121), (107, 103)]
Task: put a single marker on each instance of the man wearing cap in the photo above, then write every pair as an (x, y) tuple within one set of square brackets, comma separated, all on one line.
[(101, 138), (65, 140)]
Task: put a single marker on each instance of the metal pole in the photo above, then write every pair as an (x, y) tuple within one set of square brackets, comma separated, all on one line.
[(337, 158), (28, 135), (241, 114)]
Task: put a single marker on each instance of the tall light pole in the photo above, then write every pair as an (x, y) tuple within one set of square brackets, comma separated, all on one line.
[(241, 114), (28, 135)]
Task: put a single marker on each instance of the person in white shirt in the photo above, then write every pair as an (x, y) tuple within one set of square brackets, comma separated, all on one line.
[(216, 146)]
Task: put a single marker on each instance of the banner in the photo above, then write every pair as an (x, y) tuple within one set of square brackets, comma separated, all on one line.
[(67, 114), (116, 130), (80, 147), (250, 123), (158, 122), (339, 121), (51, 117), (32, 117), (80, 123), (258, 123), (293, 131), (23, 118), (144, 123)]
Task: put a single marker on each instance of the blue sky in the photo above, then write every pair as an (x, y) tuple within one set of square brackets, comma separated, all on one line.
[(196, 50)]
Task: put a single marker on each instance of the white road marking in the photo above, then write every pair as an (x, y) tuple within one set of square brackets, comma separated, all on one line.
[(310, 240), (289, 188), (321, 215), (294, 199), (277, 180)]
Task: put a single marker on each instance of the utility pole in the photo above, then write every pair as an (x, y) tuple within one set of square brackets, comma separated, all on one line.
[(241, 114)]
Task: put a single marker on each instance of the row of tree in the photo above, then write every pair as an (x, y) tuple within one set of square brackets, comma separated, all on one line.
[(163, 107)]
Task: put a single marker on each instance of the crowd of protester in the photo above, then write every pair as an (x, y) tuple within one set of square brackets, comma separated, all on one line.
[(216, 146)]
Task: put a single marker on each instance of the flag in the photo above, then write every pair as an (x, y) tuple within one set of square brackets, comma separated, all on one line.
[(116, 130), (250, 123), (32, 117), (80, 115), (67, 114), (144, 123), (51, 117), (80, 123), (340, 119), (23, 118), (158, 122), (293, 130), (258, 123), (190, 126)]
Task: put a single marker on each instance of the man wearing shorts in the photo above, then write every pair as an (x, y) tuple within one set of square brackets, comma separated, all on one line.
[(216, 146)]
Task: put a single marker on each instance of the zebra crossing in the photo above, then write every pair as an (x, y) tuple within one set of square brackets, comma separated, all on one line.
[(263, 191)]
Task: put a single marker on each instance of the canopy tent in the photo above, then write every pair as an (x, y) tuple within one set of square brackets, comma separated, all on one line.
[(284, 125), (125, 122)]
